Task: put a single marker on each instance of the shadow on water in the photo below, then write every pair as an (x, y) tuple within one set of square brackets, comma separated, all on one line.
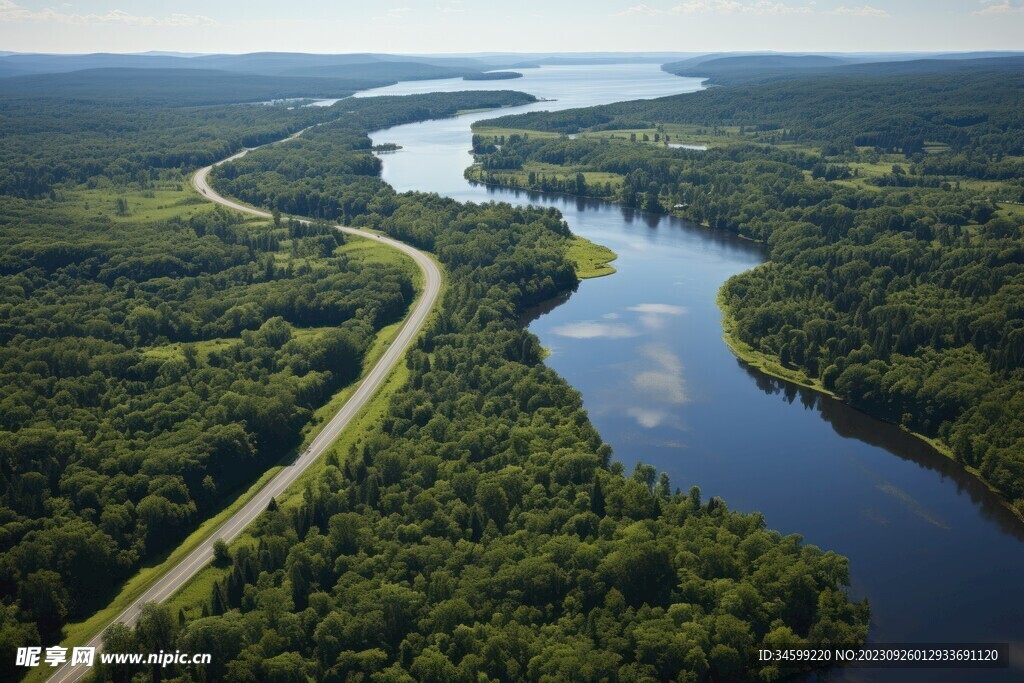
[(630, 216), (850, 423)]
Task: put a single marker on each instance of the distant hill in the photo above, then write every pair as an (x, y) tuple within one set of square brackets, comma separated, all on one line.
[(760, 61), (739, 69), (276, 63), (224, 78), (184, 87), (18, 64), (382, 71), (266, 63), (977, 55), (935, 65)]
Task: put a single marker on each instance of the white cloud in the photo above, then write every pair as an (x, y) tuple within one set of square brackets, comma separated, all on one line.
[(10, 11), (1001, 7), (737, 7), (396, 13), (640, 9), (864, 11)]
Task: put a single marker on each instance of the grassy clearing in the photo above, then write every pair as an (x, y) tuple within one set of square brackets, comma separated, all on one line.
[(495, 132), (569, 173), (1012, 209), (168, 198), (371, 251), (590, 259), (521, 177)]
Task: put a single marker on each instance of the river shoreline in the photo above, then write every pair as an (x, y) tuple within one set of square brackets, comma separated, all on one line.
[(769, 365)]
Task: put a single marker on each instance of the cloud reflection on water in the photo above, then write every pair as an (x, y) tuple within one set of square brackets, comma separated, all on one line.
[(655, 375)]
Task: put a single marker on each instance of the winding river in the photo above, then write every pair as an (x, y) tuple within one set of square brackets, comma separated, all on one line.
[(929, 546)]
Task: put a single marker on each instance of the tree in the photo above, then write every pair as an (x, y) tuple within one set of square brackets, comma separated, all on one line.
[(44, 598), (221, 552)]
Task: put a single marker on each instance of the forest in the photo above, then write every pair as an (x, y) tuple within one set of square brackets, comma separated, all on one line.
[(893, 220), (148, 371), (480, 528), (159, 354), (839, 112), (156, 358), (329, 173)]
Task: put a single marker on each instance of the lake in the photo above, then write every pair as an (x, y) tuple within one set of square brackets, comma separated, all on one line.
[(929, 546)]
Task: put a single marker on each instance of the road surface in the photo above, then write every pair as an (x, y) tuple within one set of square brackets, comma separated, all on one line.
[(179, 575)]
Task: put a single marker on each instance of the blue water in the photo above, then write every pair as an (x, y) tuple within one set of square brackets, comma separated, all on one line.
[(936, 555)]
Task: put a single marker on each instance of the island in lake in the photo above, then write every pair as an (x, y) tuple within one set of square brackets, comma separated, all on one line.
[(493, 76)]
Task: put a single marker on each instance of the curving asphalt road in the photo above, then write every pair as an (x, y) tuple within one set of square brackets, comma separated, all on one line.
[(198, 558)]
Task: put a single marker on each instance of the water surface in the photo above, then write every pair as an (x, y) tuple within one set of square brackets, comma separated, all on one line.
[(929, 546)]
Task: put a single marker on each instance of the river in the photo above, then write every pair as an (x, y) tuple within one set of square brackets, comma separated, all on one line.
[(929, 546)]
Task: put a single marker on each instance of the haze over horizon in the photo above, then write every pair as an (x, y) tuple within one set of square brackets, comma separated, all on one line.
[(412, 26)]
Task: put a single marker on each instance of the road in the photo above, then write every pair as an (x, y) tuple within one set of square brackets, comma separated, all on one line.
[(179, 575)]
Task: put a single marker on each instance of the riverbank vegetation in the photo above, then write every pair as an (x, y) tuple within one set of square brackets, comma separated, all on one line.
[(890, 213), (329, 173), (589, 259)]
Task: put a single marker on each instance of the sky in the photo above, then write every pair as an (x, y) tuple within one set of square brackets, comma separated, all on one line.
[(448, 26)]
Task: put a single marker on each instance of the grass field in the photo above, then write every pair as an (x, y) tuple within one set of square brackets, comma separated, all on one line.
[(590, 259), (521, 177), (167, 198), (1012, 209), (495, 132)]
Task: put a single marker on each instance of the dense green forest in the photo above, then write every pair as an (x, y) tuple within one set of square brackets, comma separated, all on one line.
[(840, 112), (896, 275), (51, 143), (148, 370), (737, 69), (329, 173), (482, 528), (158, 355), (174, 87)]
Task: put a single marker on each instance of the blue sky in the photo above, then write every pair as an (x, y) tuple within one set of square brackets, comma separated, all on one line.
[(436, 26)]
